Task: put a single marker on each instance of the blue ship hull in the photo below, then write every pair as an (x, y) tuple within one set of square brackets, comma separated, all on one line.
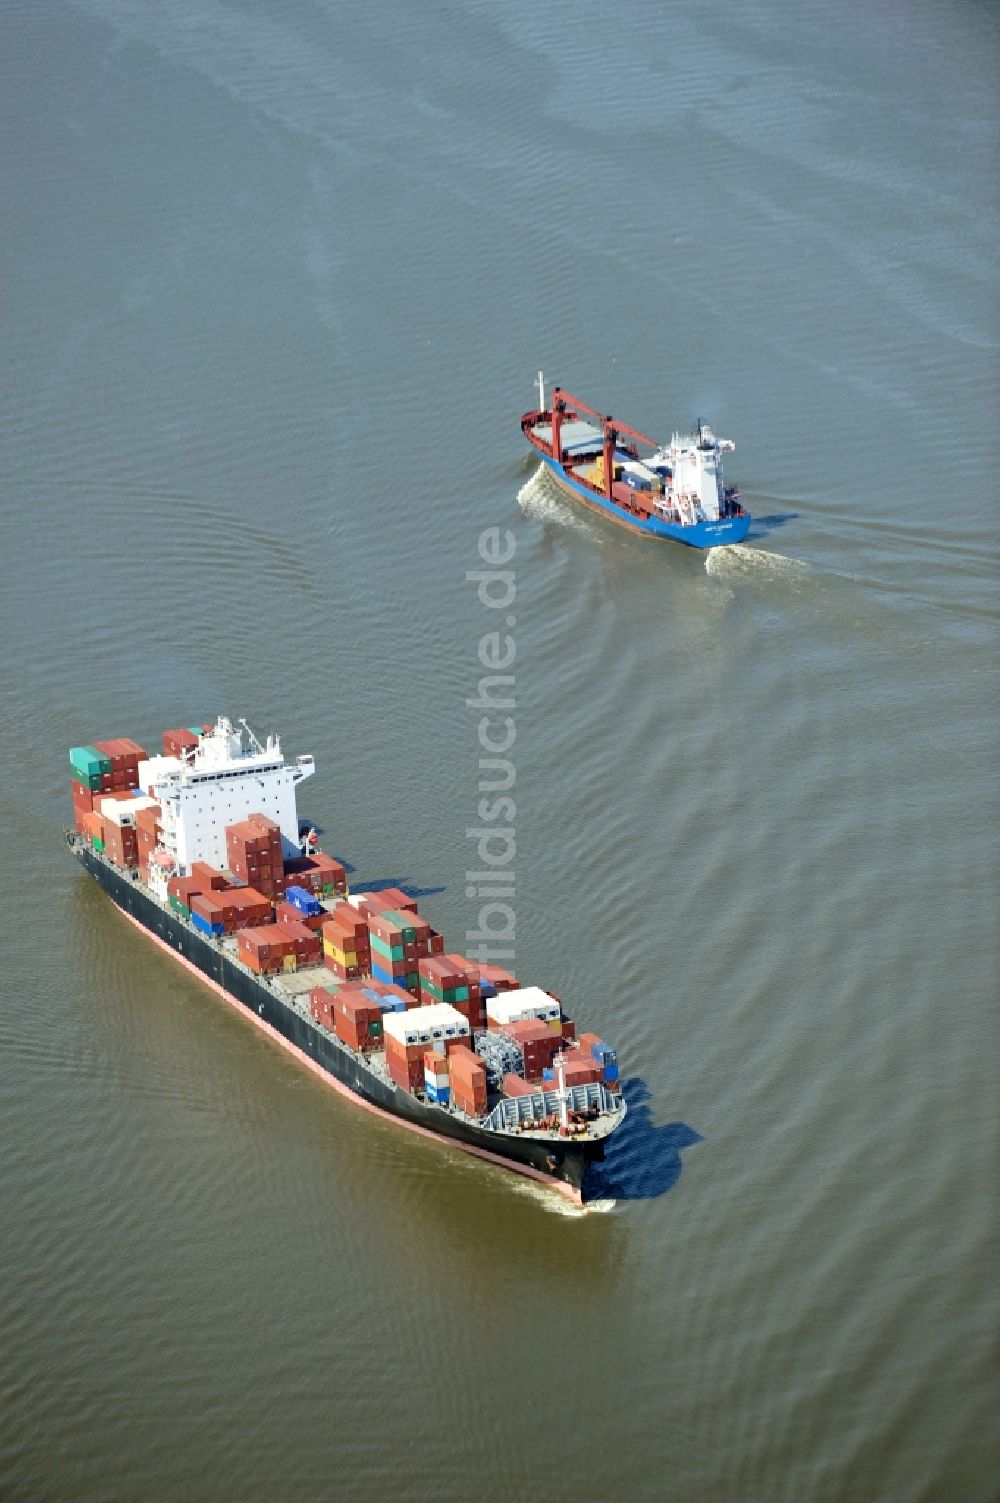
[(700, 535)]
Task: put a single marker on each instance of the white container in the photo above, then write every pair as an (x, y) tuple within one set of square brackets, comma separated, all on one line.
[(425, 1025), (522, 1005), (122, 812)]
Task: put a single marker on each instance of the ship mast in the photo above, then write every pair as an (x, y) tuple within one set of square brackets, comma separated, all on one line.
[(560, 1063), (541, 392)]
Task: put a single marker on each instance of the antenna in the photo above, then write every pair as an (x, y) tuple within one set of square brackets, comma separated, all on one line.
[(255, 745), (541, 392)]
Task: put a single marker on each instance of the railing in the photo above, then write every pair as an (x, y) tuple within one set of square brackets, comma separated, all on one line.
[(509, 1114)]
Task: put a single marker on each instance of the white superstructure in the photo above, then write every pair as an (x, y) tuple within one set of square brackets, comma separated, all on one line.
[(223, 780), (697, 487)]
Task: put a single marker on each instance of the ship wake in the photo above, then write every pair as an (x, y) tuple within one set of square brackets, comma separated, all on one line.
[(542, 499), (740, 559)]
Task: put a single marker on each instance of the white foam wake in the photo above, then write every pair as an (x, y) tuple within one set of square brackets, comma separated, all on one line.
[(542, 499), (740, 558)]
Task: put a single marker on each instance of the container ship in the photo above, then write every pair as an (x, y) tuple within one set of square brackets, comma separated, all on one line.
[(201, 847), (675, 491)]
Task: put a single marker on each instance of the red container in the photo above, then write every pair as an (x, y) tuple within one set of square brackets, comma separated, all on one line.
[(177, 742), (316, 872), (287, 913), (250, 906), (568, 1029), (407, 1074), (469, 1099), (121, 844), (208, 907), (344, 972), (93, 826), (502, 980), (210, 876), (305, 941), (184, 888), (582, 1072), (389, 900), (587, 1042), (513, 1085), (123, 753), (265, 948)]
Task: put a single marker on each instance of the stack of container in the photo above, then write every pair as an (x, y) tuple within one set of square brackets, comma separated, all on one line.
[(253, 852), (148, 831), (307, 944), (120, 812), (319, 874), (386, 997), (227, 910), (346, 943), (577, 1070), (354, 1018), (208, 914), (266, 949), (537, 1043), (181, 890), (408, 1035), (212, 879), (436, 1087), (92, 826), (124, 754), (398, 941), (452, 978), (90, 776), (468, 1082), (300, 907), (121, 842), (389, 900), (592, 1046), (178, 742), (522, 1005), (493, 979)]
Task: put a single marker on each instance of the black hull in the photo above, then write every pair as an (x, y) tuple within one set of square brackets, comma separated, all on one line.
[(563, 1166)]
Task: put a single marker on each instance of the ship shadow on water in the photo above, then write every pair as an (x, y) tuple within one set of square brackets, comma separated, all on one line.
[(643, 1160), (762, 527), (379, 884)]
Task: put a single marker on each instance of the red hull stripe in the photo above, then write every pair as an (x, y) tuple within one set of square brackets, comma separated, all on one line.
[(331, 1080)]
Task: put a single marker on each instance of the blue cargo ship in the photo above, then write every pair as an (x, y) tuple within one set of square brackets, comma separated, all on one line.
[(672, 491)]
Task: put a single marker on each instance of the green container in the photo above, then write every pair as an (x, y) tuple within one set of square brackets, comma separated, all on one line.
[(195, 730), (179, 907), (328, 891), (97, 844), (88, 761), (402, 919), (93, 783), (388, 952), (375, 1029)]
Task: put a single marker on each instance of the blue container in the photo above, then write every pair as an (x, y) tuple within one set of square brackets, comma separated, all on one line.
[(440, 1094), (389, 978), (548, 1074), (392, 1004), (204, 925), (487, 989), (605, 1054), (303, 901), (611, 1072)]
